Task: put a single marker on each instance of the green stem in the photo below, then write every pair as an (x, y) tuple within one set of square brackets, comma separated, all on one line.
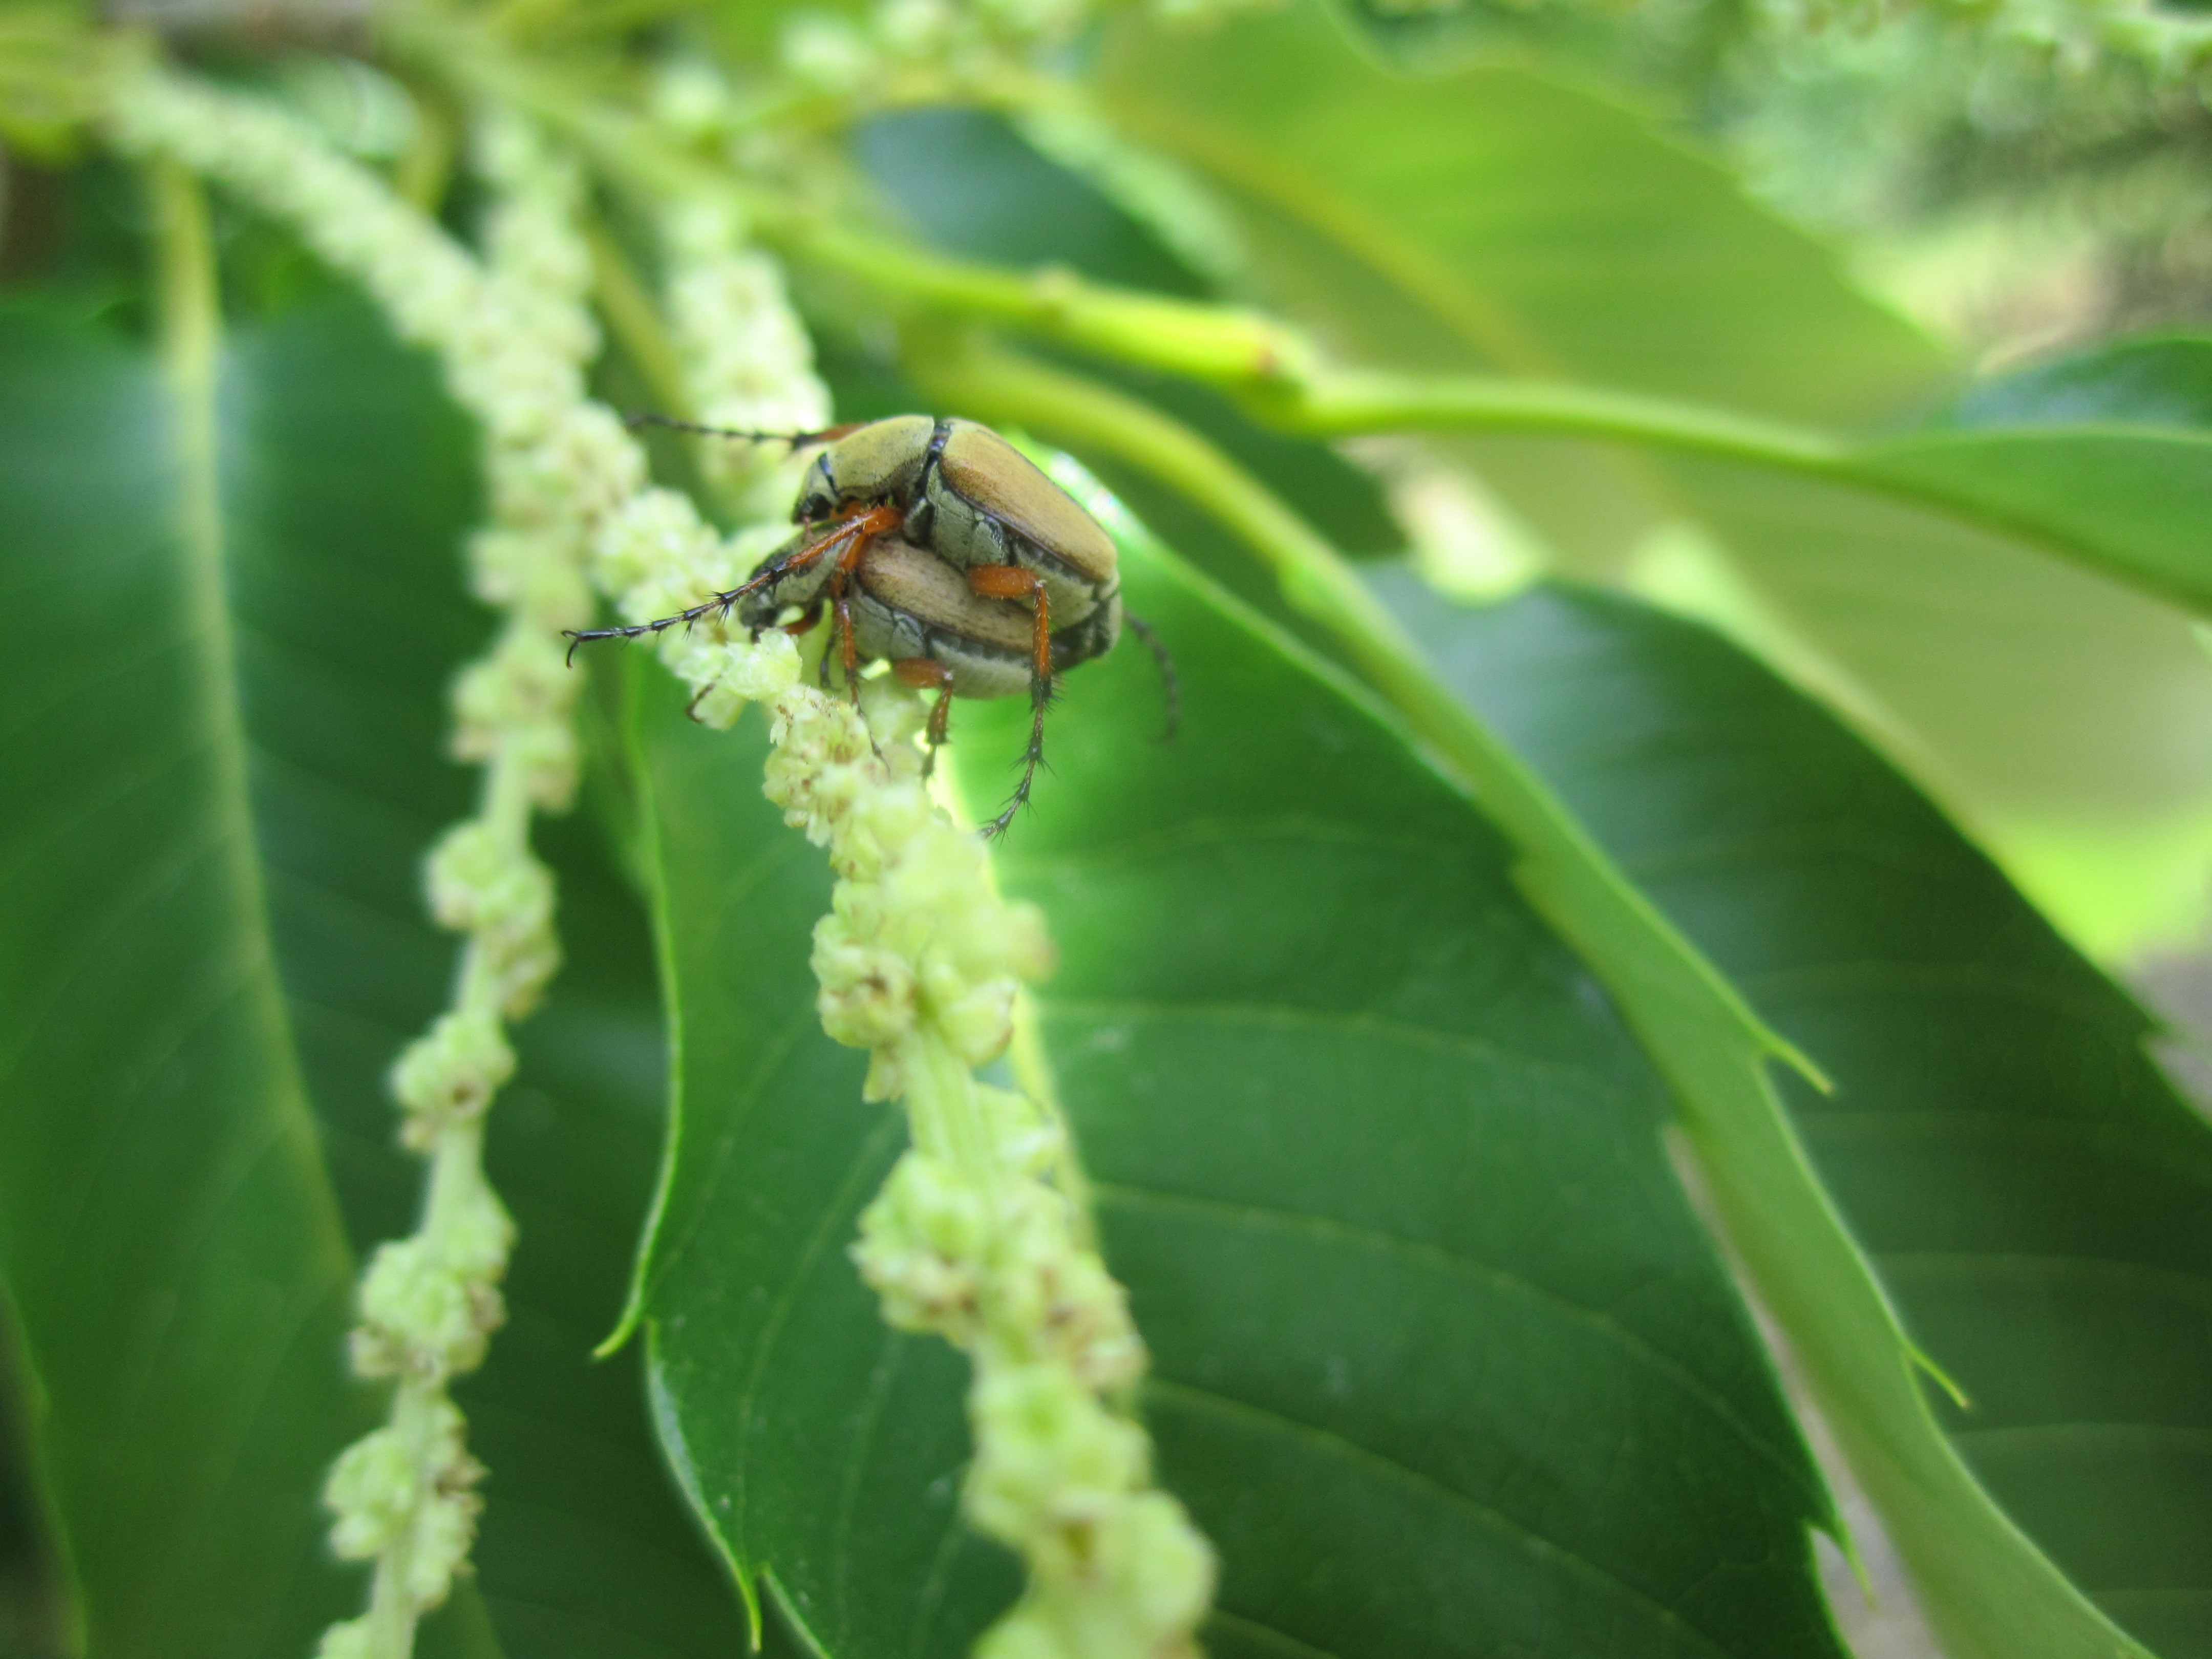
[(1989, 1590), (391, 1614), (629, 308), (191, 337), (1344, 403), (941, 1105)]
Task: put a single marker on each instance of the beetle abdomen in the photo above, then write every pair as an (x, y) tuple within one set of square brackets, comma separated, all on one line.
[(910, 602)]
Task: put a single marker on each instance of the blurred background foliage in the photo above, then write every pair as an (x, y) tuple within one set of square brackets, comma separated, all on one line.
[(1853, 217), (2005, 181)]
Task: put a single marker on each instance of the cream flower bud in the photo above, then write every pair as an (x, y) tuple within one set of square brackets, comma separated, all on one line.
[(1028, 1142), (445, 1527), (480, 880), (827, 52), (452, 1071), (979, 1022), (420, 1311), (922, 1244), (765, 669), (1050, 1464), (886, 822), (474, 1234), (348, 1640), (866, 998), (373, 1490), (654, 532), (1156, 1560)]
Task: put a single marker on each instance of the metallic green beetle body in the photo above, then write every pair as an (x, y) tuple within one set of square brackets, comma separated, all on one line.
[(941, 549)]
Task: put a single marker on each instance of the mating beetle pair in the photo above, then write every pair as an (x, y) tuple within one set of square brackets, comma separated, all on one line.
[(938, 547)]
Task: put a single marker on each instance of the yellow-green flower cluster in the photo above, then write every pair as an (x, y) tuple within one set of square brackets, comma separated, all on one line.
[(919, 963), (965, 40), (746, 357)]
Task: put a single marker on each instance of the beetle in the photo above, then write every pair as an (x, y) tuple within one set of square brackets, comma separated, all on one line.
[(958, 501)]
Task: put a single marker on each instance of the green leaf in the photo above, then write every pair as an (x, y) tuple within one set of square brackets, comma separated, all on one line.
[(351, 512), (2108, 456), (2052, 708), (227, 772), (1442, 1363), (169, 1241), (2033, 1192), (1994, 1593)]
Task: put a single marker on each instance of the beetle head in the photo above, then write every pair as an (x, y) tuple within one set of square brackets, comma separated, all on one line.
[(818, 495)]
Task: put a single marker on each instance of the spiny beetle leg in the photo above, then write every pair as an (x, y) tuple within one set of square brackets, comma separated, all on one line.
[(1171, 682), (1010, 581), (925, 674)]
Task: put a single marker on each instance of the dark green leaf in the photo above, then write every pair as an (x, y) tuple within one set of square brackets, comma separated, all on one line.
[(352, 485), (2032, 1191), (167, 1233), (1442, 1363), (347, 483)]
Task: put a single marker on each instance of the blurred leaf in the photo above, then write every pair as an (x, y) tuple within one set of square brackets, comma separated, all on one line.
[(2017, 683), (2165, 381), (353, 484), (2032, 1191), (167, 1232), (1443, 1362), (2110, 455), (1492, 219), (1488, 220), (2058, 711), (963, 181), (347, 483)]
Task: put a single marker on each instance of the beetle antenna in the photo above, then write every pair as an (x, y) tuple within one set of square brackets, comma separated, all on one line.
[(1171, 682), (724, 603), (637, 418)]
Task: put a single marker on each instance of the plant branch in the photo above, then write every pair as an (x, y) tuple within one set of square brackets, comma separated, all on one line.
[(1347, 403)]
